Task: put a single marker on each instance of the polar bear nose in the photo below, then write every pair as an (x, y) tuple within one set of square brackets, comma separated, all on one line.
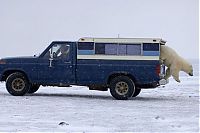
[(191, 74)]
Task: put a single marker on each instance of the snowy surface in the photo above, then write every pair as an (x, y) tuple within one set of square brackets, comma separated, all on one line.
[(174, 107)]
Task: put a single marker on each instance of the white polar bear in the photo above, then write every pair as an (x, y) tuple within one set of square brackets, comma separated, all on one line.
[(174, 62)]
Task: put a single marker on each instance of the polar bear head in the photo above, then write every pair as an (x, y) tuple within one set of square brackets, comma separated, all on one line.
[(188, 69)]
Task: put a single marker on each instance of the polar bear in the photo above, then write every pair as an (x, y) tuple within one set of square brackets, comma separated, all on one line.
[(174, 62)]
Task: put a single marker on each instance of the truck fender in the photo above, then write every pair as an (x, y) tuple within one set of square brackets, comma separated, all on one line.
[(9, 71), (115, 74)]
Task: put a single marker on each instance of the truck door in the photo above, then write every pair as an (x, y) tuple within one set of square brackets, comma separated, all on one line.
[(57, 65)]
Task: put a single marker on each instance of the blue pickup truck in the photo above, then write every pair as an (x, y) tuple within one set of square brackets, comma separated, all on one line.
[(122, 65)]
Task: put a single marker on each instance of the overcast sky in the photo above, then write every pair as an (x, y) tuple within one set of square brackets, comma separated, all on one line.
[(27, 27)]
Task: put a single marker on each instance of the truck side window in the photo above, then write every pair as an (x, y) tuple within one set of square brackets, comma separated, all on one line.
[(59, 51), (55, 50), (63, 52), (47, 55)]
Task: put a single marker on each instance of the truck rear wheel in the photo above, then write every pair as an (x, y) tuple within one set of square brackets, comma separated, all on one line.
[(33, 88), (122, 87), (17, 84)]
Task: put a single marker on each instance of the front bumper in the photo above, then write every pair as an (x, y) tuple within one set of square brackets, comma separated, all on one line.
[(163, 81)]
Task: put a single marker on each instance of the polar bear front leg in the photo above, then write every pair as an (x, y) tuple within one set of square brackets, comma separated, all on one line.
[(168, 74), (175, 74)]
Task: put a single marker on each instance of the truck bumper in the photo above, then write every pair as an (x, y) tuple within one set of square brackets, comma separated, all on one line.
[(163, 81)]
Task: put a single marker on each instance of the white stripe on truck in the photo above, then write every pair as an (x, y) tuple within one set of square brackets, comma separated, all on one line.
[(117, 57)]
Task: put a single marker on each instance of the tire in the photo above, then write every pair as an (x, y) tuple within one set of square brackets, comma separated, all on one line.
[(137, 92), (122, 87), (33, 88), (17, 84)]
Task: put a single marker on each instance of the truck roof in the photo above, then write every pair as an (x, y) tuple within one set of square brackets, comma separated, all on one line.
[(122, 40)]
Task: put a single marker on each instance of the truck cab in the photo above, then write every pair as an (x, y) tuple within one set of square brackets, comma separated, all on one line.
[(122, 65)]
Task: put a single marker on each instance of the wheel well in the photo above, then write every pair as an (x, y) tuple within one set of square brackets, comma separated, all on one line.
[(120, 74), (7, 73)]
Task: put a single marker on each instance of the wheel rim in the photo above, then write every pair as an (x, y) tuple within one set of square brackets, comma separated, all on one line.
[(18, 84), (121, 88)]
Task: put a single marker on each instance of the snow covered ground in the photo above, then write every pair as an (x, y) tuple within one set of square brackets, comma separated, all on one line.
[(174, 107)]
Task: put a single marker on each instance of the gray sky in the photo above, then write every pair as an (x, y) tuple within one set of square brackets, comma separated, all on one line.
[(27, 27)]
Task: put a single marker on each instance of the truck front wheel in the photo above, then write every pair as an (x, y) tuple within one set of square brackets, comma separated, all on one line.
[(122, 87), (17, 84)]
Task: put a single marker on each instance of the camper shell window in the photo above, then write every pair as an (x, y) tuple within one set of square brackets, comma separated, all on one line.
[(122, 48), (99, 48), (151, 46), (85, 46), (117, 49), (111, 49), (133, 49)]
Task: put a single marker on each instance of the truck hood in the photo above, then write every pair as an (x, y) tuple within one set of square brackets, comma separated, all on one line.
[(24, 59)]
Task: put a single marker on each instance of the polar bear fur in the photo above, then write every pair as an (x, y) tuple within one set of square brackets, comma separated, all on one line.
[(174, 62)]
